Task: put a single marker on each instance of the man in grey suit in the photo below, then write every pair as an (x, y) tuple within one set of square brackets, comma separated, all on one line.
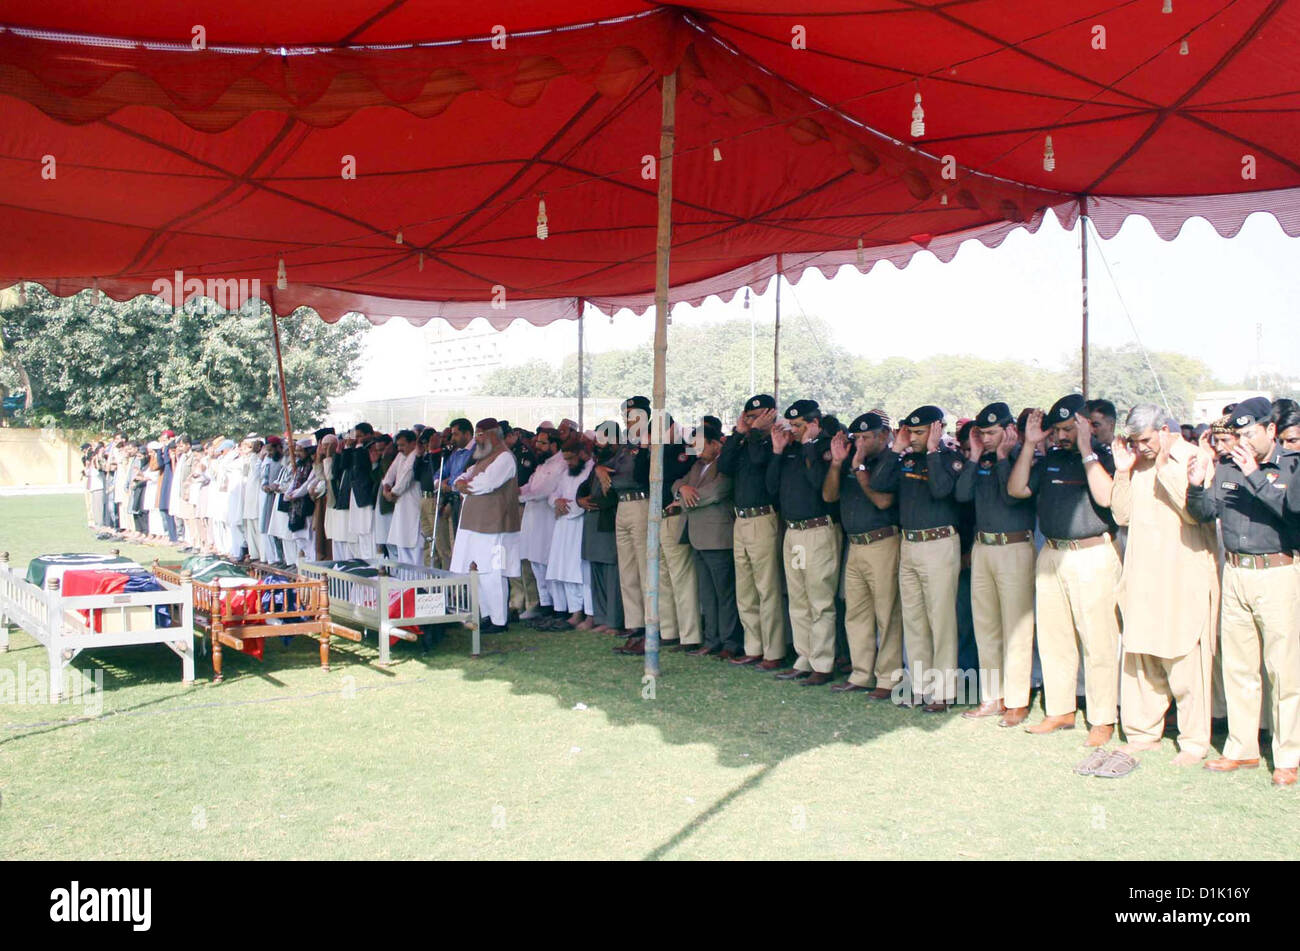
[(704, 495), (599, 549)]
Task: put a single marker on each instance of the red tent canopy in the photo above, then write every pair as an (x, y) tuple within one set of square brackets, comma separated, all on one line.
[(128, 154)]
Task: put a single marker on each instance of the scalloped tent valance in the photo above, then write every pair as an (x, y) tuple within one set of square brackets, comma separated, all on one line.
[(394, 157)]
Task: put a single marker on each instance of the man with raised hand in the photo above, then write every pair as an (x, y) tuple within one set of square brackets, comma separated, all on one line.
[(1078, 568), (487, 539)]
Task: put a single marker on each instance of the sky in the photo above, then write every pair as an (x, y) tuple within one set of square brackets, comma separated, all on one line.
[(1200, 294)]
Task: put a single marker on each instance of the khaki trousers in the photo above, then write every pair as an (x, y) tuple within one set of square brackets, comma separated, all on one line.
[(812, 574), (633, 574), (1002, 607), (1148, 684), (1076, 608), (679, 593), (426, 527), (1261, 604), (873, 613), (756, 542), (442, 545), (927, 587)]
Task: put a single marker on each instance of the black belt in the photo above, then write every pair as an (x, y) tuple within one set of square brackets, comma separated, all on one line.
[(1073, 544), (875, 535), (1004, 538), (632, 495), (809, 523), (755, 512), (930, 534)]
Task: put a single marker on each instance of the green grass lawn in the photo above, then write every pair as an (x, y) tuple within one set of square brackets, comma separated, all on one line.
[(442, 756)]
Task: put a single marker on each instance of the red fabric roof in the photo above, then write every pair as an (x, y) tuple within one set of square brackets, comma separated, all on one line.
[(223, 161)]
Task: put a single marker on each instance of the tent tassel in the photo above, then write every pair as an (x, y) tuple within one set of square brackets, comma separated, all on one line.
[(281, 279), (1049, 156), (543, 227), (421, 262), (1168, 7), (918, 117), (717, 153), (862, 259), (399, 236), (1182, 47)]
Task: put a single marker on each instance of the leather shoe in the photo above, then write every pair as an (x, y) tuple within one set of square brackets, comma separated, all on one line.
[(747, 659), (769, 665), (635, 645), (727, 654), (1051, 724), (880, 693), (1225, 765), (817, 679), (1284, 776), (793, 674), (937, 706), (989, 708), (1100, 734), (847, 687), (701, 651), (1014, 716)]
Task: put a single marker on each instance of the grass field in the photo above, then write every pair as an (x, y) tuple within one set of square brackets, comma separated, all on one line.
[(442, 756)]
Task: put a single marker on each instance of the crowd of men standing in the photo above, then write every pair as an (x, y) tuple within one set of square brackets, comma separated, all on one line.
[(1151, 570)]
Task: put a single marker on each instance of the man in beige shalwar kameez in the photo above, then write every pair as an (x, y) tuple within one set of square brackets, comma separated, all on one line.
[(1168, 593)]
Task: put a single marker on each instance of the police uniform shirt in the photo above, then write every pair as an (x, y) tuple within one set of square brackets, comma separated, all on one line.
[(630, 470), (985, 483), (745, 457), (1066, 509), (795, 477), (1249, 508), (426, 471), (677, 462), (924, 483), (525, 463), (858, 513)]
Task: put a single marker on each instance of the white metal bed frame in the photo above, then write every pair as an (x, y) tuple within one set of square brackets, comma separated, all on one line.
[(357, 600), (52, 619)]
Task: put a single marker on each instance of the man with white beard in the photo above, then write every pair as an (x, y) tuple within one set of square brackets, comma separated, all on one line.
[(252, 498), (566, 572), (539, 521), (487, 539), (219, 496)]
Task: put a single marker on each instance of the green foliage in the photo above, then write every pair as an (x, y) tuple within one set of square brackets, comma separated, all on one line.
[(1121, 375), (137, 367)]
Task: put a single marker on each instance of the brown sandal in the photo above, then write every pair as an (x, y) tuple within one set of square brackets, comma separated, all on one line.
[(1118, 765)]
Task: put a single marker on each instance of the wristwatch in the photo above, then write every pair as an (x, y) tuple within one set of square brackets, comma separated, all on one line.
[(1090, 457), (860, 467)]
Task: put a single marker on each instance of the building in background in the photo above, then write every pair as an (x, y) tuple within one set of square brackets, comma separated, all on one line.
[(458, 360), (1208, 406)]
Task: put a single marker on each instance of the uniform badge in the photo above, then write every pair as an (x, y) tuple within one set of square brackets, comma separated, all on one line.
[(826, 456), (916, 420), (681, 457), (986, 464), (753, 404), (992, 418), (956, 466), (1271, 477), (1242, 420), (1228, 485), (1063, 412)]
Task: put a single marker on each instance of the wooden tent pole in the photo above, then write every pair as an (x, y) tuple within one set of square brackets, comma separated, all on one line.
[(663, 243), (284, 393), (776, 339), (582, 306), (1083, 264)]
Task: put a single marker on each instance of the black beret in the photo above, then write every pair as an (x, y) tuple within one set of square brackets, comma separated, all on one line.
[(1257, 409), (760, 401), (1063, 410), (995, 414), (636, 402), (924, 416), (807, 409), (868, 423), (322, 433)]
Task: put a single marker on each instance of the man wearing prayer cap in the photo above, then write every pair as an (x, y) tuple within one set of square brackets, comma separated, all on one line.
[(1002, 568), (810, 550), (1078, 569), (756, 534), (923, 472), (873, 619)]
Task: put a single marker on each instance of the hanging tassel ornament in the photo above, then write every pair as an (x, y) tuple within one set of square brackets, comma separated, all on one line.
[(747, 298), (1182, 48), (943, 199), (399, 235), (918, 117), (717, 153), (862, 258), (1168, 7), (1049, 156), (281, 280), (543, 227), (420, 265)]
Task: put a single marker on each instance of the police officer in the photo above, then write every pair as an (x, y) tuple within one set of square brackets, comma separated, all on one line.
[(628, 475), (756, 534), (811, 547), (679, 597), (1261, 588), (1078, 569), (873, 612), (1002, 568), (923, 472)]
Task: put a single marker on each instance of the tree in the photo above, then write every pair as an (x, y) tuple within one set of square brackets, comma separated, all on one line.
[(1121, 375), (137, 367)]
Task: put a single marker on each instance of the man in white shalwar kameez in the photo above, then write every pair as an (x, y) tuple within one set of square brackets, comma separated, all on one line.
[(487, 538), (253, 500), (539, 517), (564, 565), (237, 466), (404, 492)]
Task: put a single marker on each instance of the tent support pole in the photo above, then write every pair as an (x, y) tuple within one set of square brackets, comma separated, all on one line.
[(776, 339), (663, 242), (1083, 278), (284, 393), (582, 306)]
